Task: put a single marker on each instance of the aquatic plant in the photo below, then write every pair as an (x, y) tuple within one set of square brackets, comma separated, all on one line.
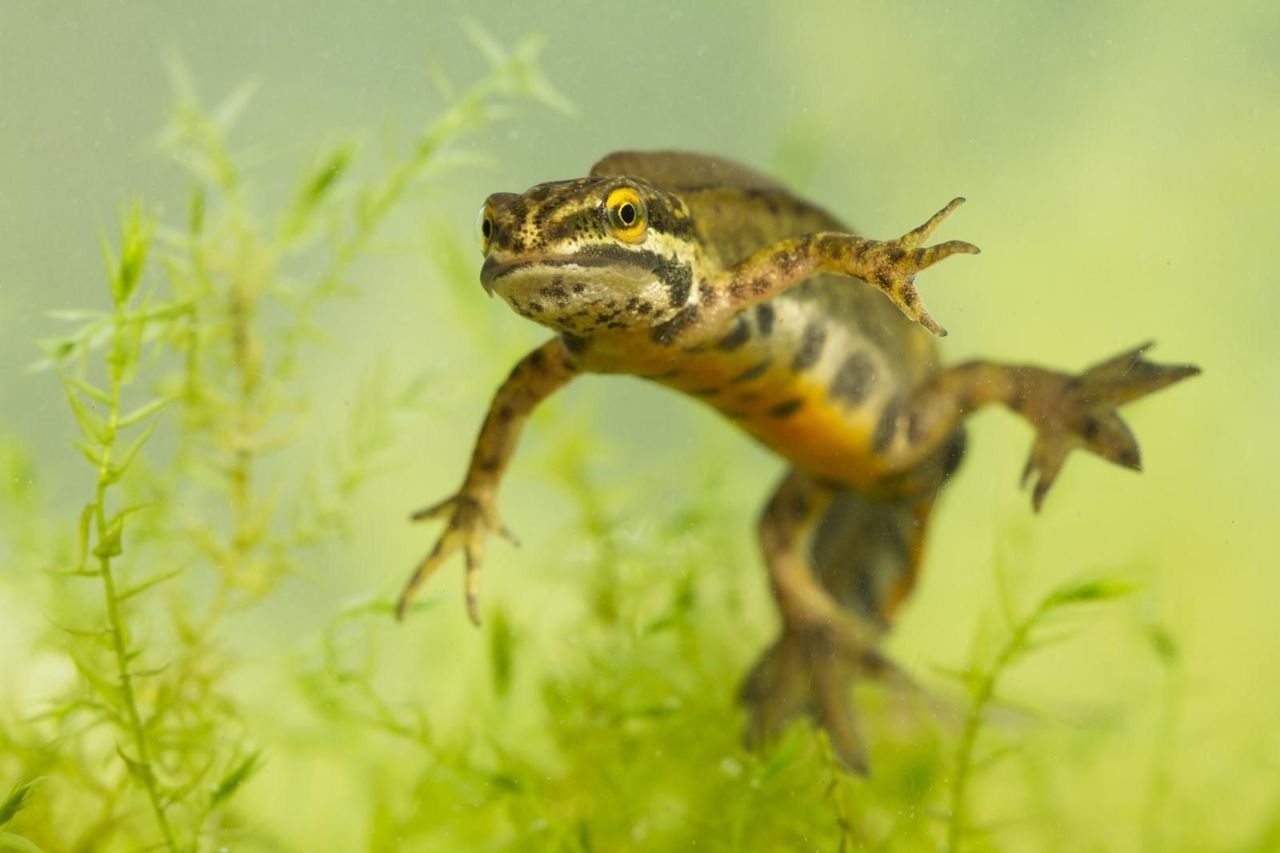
[(185, 390)]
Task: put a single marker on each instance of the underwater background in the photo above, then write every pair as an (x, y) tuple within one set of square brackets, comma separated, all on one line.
[(289, 310)]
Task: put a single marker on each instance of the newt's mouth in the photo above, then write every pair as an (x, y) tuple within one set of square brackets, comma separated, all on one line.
[(493, 269)]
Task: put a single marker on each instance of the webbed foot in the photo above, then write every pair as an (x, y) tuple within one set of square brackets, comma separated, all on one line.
[(898, 262), (470, 518), (1080, 411), (812, 672)]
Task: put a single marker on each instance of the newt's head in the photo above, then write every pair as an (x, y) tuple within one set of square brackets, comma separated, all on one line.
[(590, 255)]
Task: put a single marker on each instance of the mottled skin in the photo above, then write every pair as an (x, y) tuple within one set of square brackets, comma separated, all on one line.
[(715, 281)]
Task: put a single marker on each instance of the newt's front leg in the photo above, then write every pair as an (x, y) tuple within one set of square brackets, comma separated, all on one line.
[(889, 265), (471, 512)]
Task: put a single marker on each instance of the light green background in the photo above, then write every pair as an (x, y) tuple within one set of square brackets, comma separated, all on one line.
[(1122, 165)]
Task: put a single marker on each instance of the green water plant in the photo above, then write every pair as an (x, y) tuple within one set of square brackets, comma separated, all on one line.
[(1023, 636), (188, 391)]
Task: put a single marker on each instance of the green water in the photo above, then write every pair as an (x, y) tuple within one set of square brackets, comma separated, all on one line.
[(1122, 169)]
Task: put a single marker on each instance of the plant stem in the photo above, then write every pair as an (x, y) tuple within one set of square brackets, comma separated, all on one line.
[(115, 619), (973, 723)]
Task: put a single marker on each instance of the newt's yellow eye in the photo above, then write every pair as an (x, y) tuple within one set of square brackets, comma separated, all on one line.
[(627, 214), (484, 228)]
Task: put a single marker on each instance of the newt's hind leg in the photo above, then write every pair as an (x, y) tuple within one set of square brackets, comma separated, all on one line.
[(1066, 411), (822, 646)]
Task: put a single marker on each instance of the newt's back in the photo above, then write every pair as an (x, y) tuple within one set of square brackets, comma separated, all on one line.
[(846, 353)]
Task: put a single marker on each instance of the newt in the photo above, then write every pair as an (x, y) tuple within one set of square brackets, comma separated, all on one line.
[(717, 282)]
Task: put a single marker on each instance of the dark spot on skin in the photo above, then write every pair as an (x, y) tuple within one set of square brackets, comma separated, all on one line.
[(707, 295), (734, 414), (679, 281), (908, 298), (573, 343), (569, 364), (706, 392), (1130, 458), (666, 220), (490, 464), (1018, 399), (666, 374), (854, 378), (764, 319), (789, 259), (505, 412), (953, 454), (749, 397), (579, 289), (915, 428), (869, 599), (738, 335), (666, 333), (1090, 429), (518, 210), (541, 192), (886, 426), (896, 254), (786, 408), (535, 307), (811, 342), (633, 303), (797, 507), (755, 371), (644, 308), (556, 292), (537, 360)]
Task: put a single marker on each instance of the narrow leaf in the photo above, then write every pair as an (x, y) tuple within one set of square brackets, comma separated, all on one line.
[(233, 781), (135, 242), (501, 653), (117, 471), (89, 390), (109, 544), (82, 632), (109, 261), (1163, 644), (145, 411), (86, 519), (137, 769), (73, 315), (1088, 592), (195, 213), (143, 586), (324, 178), (17, 800), (91, 453), (91, 423)]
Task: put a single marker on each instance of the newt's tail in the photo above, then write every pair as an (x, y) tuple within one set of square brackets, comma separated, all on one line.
[(1083, 414)]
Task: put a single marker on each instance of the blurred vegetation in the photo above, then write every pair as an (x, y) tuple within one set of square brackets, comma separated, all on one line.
[(204, 335), (147, 709)]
